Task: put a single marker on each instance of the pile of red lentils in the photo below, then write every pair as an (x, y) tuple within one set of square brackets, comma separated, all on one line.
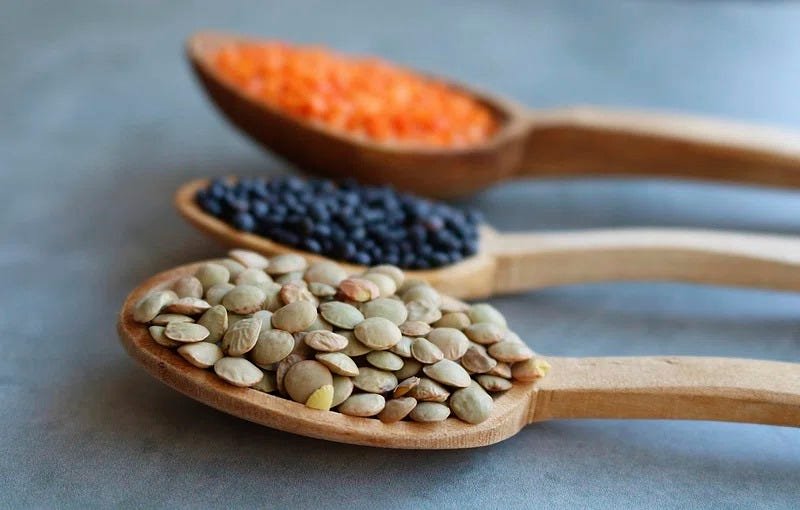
[(363, 97)]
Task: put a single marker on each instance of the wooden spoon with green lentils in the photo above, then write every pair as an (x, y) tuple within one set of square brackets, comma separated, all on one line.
[(368, 345)]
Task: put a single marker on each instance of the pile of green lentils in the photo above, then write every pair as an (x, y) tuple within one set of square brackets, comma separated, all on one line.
[(372, 345)]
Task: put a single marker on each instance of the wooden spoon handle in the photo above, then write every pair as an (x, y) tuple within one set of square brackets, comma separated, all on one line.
[(580, 141), (530, 261), (683, 388)]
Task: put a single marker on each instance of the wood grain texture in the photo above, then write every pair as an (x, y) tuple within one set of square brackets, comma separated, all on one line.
[(595, 141), (516, 262), (674, 388), (568, 142), (529, 261)]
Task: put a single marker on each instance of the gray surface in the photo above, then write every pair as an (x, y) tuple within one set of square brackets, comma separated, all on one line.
[(100, 121)]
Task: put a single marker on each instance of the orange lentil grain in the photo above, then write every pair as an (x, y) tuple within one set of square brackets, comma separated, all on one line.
[(364, 97)]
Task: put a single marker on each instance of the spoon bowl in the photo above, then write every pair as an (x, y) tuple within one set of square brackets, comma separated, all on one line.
[(469, 277), (564, 142), (659, 387), (508, 417), (328, 152)]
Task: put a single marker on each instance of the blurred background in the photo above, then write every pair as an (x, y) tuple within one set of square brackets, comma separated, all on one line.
[(100, 121)]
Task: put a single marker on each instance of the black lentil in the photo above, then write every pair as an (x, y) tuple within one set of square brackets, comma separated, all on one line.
[(347, 221)]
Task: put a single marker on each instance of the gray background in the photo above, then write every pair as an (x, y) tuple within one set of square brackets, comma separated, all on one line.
[(100, 121)]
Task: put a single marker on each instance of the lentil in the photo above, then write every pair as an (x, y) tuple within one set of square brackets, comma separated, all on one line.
[(354, 347), (342, 389), (338, 363), (390, 271), (492, 383), (359, 289), (187, 306), (410, 368), (157, 334), (385, 284), (429, 390), (241, 337), (185, 332), (216, 293), (388, 308), (238, 371), (296, 291), (456, 320), (378, 333), (272, 346), (501, 370), (325, 341), (530, 369), (244, 299), (452, 342), (477, 361), (341, 314), (249, 258), (510, 352), (188, 286), (471, 404), (403, 347), (430, 412), (397, 409), (304, 378), (212, 274), (295, 316), (322, 398), (363, 404), (385, 360), (405, 386), (425, 351), (373, 380), (267, 384), (201, 354), (414, 328), (215, 320), (163, 319), (449, 373), (148, 308)]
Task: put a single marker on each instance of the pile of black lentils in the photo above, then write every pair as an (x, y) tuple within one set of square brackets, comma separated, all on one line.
[(347, 221)]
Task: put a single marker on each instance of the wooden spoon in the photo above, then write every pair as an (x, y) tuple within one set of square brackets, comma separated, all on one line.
[(720, 389), (572, 141), (514, 262)]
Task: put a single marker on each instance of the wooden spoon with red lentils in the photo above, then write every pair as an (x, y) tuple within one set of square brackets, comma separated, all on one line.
[(346, 116)]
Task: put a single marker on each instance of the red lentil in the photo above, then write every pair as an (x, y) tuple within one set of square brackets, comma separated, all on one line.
[(364, 97)]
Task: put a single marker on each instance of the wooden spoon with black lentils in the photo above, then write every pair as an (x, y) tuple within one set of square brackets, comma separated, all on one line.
[(455, 252)]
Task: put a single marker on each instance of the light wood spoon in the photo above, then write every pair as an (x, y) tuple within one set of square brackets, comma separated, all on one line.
[(564, 142), (515, 262), (736, 390)]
